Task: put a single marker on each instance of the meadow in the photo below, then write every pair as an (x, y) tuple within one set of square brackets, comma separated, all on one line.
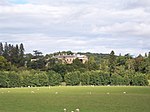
[(85, 98)]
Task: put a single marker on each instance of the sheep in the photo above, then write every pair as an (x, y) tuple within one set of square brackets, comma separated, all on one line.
[(65, 110), (77, 110)]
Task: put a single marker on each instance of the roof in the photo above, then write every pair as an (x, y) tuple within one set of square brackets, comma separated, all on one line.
[(70, 56)]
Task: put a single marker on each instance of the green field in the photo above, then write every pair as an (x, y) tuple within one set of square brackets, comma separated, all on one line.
[(87, 99)]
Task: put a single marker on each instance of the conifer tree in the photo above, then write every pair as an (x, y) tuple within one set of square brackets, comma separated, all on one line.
[(1, 49), (112, 63)]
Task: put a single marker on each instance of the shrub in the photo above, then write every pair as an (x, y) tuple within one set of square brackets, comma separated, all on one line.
[(85, 78), (140, 80), (3, 79), (14, 79), (72, 78), (42, 79), (54, 78)]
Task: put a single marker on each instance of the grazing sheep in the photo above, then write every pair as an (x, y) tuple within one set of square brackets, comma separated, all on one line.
[(32, 92), (77, 110), (65, 109)]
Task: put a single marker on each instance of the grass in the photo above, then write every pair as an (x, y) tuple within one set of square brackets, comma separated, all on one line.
[(87, 99)]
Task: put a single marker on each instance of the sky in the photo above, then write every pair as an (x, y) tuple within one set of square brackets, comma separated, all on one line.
[(97, 26)]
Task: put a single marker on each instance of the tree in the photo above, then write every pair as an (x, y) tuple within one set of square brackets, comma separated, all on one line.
[(112, 63), (140, 80), (72, 78), (121, 60), (3, 79), (54, 78), (38, 64), (77, 63), (148, 64), (5, 53), (14, 80), (94, 78), (130, 64), (37, 53), (15, 55), (21, 55), (4, 65), (43, 79), (85, 78), (91, 64), (1, 49), (139, 64)]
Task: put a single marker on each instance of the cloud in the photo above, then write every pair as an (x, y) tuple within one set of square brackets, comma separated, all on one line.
[(124, 29), (78, 25)]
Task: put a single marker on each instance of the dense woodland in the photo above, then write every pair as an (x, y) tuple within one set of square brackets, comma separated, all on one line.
[(17, 69)]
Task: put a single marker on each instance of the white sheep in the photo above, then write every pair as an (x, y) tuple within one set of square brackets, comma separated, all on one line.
[(77, 110), (108, 93), (32, 92), (65, 109)]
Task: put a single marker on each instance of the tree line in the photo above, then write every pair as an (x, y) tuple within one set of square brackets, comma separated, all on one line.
[(34, 78), (100, 69)]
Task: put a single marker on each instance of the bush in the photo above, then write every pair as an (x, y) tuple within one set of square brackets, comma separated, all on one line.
[(85, 78), (104, 78), (3, 79), (42, 79), (117, 80), (94, 78), (140, 80), (72, 78), (54, 78), (14, 79)]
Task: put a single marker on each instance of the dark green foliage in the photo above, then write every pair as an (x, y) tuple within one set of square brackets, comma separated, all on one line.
[(140, 80), (1, 49), (104, 78), (54, 78), (25, 78), (60, 68), (72, 78), (78, 64), (14, 54), (3, 79), (112, 62), (21, 55), (42, 79), (38, 64), (85, 78), (94, 78), (116, 80), (14, 79), (91, 64), (4, 65)]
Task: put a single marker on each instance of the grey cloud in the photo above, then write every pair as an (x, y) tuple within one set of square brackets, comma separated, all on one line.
[(84, 25)]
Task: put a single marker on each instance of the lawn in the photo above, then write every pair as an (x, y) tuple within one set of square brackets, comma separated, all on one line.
[(87, 99)]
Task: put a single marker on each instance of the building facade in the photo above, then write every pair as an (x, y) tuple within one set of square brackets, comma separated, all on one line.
[(69, 58)]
